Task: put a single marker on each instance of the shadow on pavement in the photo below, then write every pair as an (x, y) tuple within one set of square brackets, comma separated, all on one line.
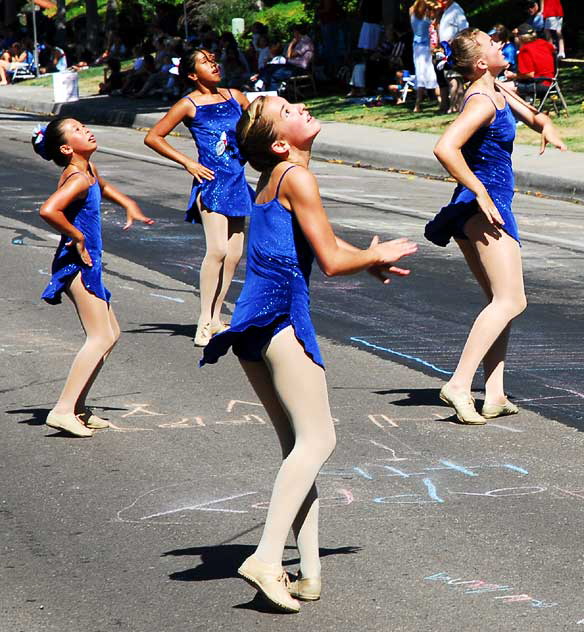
[(223, 560), (174, 329), (415, 396)]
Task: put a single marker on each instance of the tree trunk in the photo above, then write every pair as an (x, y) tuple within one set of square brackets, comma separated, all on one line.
[(92, 22), (61, 24), (111, 16)]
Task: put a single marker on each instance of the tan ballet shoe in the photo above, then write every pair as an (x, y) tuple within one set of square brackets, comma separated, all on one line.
[(271, 580), (217, 328), (492, 411), (90, 420), (306, 588), (68, 423), (463, 405), (203, 334)]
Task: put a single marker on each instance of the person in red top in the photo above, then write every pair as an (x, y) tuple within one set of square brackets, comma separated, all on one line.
[(553, 15), (536, 58)]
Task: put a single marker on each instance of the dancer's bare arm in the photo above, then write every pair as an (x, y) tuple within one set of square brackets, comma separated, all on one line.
[(300, 191), (156, 139)]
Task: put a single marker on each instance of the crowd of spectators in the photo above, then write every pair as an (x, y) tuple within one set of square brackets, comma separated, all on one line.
[(384, 60)]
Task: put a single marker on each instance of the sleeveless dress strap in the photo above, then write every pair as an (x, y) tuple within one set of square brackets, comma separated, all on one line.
[(280, 181), (485, 95), (189, 98), (70, 176)]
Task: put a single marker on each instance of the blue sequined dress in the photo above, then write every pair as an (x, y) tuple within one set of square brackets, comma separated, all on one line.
[(86, 216), (213, 130), (488, 154), (275, 293)]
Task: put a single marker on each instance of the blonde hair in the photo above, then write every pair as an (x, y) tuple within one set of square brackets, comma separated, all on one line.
[(420, 8), (255, 135), (466, 51)]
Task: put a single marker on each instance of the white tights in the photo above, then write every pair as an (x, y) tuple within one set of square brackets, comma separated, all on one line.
[(224, 238), (102, 331), (293, 390)]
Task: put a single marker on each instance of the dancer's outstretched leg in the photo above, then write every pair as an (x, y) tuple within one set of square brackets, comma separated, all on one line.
[(94, 317), (293, 371), (81, 405), (235, 239), (494, 360), (305, 525), (500, 260)]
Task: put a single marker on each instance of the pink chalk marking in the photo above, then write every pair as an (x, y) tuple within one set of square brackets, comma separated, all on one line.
[(185, 422), (140, 411), (233, 403), (382, 418)]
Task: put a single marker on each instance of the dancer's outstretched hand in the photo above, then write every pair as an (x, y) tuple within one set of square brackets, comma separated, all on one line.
[(199, 171), (549, 134), (134, 214), (82, 250), (489, 209), (389, 252)]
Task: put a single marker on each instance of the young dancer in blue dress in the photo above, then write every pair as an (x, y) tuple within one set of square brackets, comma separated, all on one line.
[(476, 150), (74, 211), (220, 197), (272, 334)]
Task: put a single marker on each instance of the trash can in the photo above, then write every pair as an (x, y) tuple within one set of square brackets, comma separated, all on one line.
[(65, 87)]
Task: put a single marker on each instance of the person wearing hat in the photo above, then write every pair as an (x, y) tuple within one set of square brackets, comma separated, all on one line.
[(536, 58), (534, 17)]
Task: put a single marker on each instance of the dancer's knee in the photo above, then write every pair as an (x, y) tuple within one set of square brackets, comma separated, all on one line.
[(512, 306), (103, 341), (216, 253)]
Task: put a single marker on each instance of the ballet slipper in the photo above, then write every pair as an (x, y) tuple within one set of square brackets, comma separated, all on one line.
[(203, 334), (463, 405), (90, 420), (68, 423), (271, 580), (217, 328), (490, 411), (306, 588)]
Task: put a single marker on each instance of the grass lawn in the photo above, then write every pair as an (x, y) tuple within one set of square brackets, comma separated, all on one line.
[(401, 117), (89, 79)]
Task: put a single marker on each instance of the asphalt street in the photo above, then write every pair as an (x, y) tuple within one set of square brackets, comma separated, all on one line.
[(427, 525)]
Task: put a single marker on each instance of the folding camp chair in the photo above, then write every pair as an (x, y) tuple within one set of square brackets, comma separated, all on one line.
[(539, 93)]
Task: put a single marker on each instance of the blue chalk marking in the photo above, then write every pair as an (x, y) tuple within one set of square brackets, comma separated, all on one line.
[(432, 490), (458, 468), (401, 355), (515, 468), (397, 471), (363, 473)]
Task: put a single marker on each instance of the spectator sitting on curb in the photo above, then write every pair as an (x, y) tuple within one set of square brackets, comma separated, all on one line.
[(114, 79), (536, 58)]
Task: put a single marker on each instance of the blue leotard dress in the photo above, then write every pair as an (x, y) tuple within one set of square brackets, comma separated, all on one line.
[(275, 293), (86, 216), (213, 130), (488, 154)]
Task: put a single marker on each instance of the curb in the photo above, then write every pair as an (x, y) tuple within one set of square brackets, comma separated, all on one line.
[(91, 110)]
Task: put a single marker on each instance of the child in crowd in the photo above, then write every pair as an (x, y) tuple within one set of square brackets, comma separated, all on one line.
[(553, 15), (476, 150), (220, 196), (74, 211), (273, 336)]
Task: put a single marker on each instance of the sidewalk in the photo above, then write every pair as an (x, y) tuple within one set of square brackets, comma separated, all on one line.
[(556, 174)]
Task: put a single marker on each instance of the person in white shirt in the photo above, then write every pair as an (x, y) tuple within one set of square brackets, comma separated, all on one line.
[(453, 21)]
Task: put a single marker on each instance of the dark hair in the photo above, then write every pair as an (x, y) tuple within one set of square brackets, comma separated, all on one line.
[(255, 136), (301, 28), (47, 142), (187, 64)]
